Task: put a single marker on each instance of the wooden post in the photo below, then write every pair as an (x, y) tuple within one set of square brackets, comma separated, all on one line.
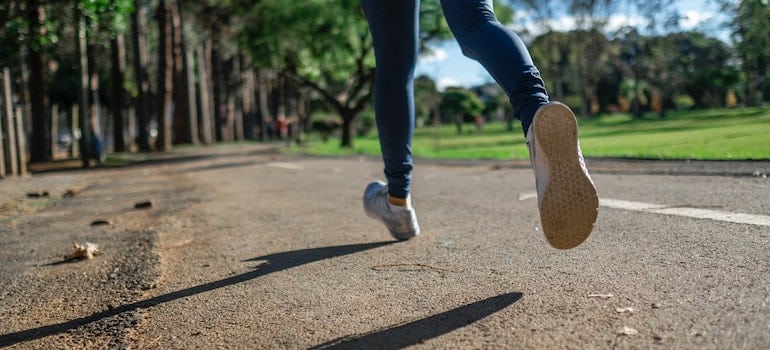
[(22, 143), (130, 137), (8, 122), (232, 120), (2, 147), (54, 129), (75, 132), (6, 102)]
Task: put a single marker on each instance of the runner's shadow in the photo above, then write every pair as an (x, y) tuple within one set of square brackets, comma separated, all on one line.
[(273, 263), (403, 335)]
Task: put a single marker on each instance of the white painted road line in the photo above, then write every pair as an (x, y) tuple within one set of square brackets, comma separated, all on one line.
[(282, 165), (717, 215), (525, 196), (697, 213)]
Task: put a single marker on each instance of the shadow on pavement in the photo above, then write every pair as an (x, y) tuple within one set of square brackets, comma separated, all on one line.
[(154, 158), (273, 263), (221, 166), (403, 335)]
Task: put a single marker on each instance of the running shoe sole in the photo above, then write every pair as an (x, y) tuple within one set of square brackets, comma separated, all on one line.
[(569, 203)]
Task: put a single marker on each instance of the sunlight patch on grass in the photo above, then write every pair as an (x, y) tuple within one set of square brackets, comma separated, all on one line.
[(710, 134)]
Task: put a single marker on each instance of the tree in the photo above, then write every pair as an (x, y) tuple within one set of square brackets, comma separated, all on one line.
[(118, 58), (459, 103), (326, 48), (142, 104), (38, 96), (185, 118), (751, 31), (634, 58), (165, 77), (497, 106), (426, 99), (102, 21), (587, 44), (701, 68), (589, 56), (551, 52), (217, 49)]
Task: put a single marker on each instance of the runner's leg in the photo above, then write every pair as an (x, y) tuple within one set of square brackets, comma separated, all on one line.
[(483, 38), (395, 27)]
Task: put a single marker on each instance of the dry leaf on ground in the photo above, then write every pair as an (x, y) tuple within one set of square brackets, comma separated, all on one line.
[(86, 251), (626, 330), (143, 204), (600, 296)]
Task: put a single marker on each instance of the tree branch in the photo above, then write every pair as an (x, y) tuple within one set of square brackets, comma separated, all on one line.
[(314, 86), (364, 76)]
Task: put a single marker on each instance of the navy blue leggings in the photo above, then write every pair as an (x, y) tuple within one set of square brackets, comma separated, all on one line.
[(395, 31)]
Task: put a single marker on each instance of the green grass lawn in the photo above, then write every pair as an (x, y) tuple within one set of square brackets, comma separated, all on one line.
[(710, 134)]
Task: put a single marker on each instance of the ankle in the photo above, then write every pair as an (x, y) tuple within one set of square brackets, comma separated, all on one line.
[(401, 202)]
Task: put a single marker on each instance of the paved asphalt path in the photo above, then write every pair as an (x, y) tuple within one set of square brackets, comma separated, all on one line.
[(243, 248)]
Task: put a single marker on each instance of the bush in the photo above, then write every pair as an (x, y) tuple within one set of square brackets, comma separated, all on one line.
[(365, 123), (684, 102), (325, 126), (573, 101)]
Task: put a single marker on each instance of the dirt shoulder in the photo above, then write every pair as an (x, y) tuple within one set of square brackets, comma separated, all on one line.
[(50, 301)]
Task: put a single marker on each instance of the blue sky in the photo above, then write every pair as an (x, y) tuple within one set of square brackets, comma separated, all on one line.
[(448, 67)]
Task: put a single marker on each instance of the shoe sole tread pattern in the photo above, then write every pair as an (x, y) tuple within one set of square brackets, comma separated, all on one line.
[(569, 206)]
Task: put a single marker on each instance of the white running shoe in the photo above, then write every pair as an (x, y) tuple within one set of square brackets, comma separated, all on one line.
[(401, 222), (566, 195)]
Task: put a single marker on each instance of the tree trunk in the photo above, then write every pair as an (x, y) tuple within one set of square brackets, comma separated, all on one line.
[(277, 106), (21, 144), (217, 83), (238, 98), (585, 106), (95, 122), (6, 126), (83, 108), (165, 76), (558, 91), (280, 106), (303, 116), (348, 116), (459, 123), (182, 117), (755, 83), (192, 103), (118, 54), (140, 61), (204, 74), (263, 106), (38, 97), (636, 108), (248, 101)]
